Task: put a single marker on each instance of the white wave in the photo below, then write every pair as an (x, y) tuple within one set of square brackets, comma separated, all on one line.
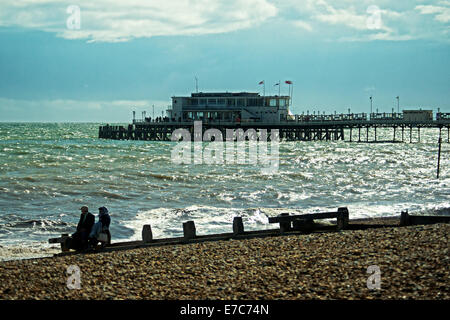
[(167, 222)]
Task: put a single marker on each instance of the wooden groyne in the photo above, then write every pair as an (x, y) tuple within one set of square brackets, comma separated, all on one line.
[(289, 224), (358, 130)]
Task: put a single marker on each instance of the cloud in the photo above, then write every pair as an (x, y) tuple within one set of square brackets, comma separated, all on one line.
[(303, 25), (347, 16), (343, 16), (337, 20), (368, 20), (113, 21), (441, 13)]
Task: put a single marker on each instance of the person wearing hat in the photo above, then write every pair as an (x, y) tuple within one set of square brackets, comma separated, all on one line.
[(80, 237)]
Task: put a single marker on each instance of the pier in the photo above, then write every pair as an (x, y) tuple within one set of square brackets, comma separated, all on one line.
[(346, 127)]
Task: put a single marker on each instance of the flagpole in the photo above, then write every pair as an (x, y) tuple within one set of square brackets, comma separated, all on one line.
[(278, 84), (264, 93), (289, 93), (292, 94), (264, 87), (291, 89), (264, 90)]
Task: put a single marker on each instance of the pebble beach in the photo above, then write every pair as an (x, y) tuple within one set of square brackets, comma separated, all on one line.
[(413, 263)]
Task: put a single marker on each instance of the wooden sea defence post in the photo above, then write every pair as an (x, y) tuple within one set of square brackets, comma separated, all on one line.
[(64, 243), (189, 230), (342, 219), (238, 226), (404, 218), (147, 235), (285, 226)]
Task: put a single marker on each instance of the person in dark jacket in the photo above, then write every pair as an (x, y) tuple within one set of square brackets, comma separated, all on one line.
[(84, 227)]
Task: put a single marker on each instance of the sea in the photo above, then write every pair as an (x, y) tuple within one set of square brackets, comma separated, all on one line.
[(49, 170)]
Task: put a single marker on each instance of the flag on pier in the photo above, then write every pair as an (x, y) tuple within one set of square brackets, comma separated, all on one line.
[(264, 87), (279, 86), (291, 88)]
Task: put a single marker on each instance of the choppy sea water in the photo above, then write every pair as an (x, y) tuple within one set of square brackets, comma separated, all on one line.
[(48, 171)]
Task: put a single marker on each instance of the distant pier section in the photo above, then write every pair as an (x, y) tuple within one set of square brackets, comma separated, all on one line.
[(247, 111)]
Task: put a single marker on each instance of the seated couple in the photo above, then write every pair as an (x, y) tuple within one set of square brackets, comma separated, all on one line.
[(88, 232)]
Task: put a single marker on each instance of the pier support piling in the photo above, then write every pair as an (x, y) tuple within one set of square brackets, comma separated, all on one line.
[(439, 153)]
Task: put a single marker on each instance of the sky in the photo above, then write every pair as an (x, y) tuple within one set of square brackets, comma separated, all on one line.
[(97, 61)]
